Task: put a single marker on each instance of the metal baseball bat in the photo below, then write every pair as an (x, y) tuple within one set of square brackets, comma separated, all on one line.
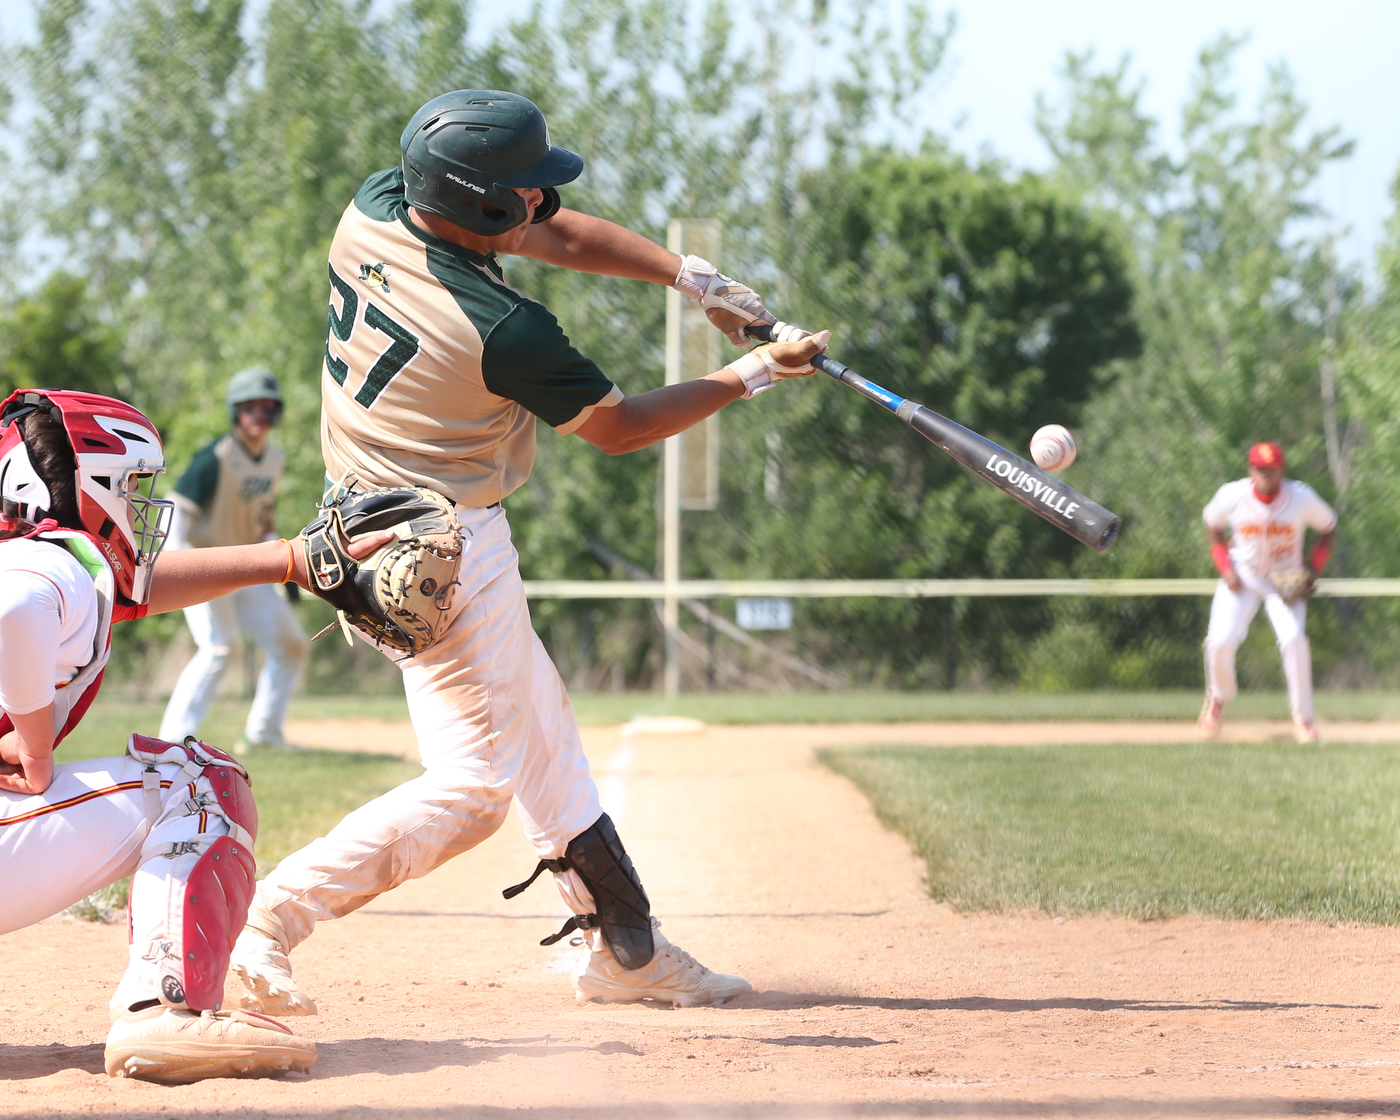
[(1040, 492)]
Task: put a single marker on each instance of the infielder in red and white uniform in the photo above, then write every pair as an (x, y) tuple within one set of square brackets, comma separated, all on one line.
[(1266, 517), (80, 536), (435, 373)]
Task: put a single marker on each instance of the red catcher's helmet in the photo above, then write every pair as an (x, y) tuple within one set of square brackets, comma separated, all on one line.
[(118, 454)]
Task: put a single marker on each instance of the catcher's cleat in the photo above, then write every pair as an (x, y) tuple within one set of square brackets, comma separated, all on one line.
[(171, 1046), (265, 971), (673, 977), (1305, 731), (1209, 722)]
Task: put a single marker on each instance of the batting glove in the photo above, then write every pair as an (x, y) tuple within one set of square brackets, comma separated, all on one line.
[(729, 305), (760, 368)]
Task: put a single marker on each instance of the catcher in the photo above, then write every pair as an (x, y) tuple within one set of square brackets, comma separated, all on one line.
[(1266, 516), (80, 549), (435, 371)]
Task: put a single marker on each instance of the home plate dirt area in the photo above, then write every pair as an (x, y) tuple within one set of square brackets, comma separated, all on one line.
[(871, 1001)]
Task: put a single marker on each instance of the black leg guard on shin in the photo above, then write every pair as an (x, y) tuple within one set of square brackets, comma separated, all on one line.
[(624, 912)]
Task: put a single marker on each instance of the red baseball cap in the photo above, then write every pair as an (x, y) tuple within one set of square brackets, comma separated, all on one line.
[(1266, 455)]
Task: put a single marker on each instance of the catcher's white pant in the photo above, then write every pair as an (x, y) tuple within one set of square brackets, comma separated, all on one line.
[(1231, 612), (90, 828), (493, 721), (263, 616)]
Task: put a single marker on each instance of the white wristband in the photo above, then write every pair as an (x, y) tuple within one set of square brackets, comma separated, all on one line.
[(754, 371), (694, 276)]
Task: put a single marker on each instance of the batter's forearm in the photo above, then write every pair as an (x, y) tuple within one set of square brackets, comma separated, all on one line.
[(643, 420), (588, 244)]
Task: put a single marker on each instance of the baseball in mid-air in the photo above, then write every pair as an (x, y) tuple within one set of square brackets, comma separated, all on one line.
[(1053, 448)]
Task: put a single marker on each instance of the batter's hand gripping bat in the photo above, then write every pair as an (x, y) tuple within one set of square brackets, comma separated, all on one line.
[(1042, 493)]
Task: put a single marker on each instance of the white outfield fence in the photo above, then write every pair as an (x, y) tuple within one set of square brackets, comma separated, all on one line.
[(915, 588)]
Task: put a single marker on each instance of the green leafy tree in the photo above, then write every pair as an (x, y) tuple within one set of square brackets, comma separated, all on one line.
[(192, 162), (55, 339), (997, 300)]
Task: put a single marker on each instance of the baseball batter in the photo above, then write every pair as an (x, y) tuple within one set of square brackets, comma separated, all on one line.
[(79, 542), (435, 371), (1266, 517), (228, 496)]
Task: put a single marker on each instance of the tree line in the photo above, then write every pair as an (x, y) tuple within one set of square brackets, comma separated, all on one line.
[(182, 165)]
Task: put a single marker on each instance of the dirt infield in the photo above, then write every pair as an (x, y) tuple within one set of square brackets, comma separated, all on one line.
[(872, 1001)]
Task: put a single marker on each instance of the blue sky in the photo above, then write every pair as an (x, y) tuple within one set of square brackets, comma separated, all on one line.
[(1342, 56), (1007, 51)]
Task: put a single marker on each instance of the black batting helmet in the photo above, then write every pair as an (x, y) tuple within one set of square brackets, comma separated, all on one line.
[(465, 150)]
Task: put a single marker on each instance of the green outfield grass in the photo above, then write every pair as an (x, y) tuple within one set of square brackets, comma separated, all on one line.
[(884, 707), (1234, 831), (597, 708)]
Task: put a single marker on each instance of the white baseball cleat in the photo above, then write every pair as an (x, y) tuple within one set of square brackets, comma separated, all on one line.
[(265, 971), (1209, 722), (673, 977), (261, 961), (1305, 731), (175, 1047)]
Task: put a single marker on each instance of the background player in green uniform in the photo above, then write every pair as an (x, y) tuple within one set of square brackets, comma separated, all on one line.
[(228, 496)]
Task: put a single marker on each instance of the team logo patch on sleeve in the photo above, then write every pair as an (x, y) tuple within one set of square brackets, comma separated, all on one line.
[(375, 275)]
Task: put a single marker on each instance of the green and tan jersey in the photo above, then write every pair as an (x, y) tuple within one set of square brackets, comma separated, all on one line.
[(435, 367), (228, 495)]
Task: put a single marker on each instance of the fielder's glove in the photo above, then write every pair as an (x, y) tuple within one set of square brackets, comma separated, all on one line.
[(1293, 584), (401, 594)]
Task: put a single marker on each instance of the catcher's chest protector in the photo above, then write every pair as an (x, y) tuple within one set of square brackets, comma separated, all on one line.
[(624, 911)]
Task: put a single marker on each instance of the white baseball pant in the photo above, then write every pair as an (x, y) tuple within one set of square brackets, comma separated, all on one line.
[(1231, 612), (90, 828), (493, 721), (262, 615)]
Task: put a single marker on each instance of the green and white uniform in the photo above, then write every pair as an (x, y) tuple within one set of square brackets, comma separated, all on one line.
[(435, 367), (435, 371), (228, 496)]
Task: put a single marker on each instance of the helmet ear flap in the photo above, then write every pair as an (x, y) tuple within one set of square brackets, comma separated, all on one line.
[(547, 208)]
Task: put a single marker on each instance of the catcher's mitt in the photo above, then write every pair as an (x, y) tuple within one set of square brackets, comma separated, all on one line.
[(401, 594), (1293, 584)]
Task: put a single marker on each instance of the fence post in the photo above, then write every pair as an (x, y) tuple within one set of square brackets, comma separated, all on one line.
[(690, 459)]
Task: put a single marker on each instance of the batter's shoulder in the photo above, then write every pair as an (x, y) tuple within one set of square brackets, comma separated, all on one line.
[(380, 197)]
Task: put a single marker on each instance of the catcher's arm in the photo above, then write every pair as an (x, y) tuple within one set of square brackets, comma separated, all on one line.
[(26, 753), (184, 577)]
